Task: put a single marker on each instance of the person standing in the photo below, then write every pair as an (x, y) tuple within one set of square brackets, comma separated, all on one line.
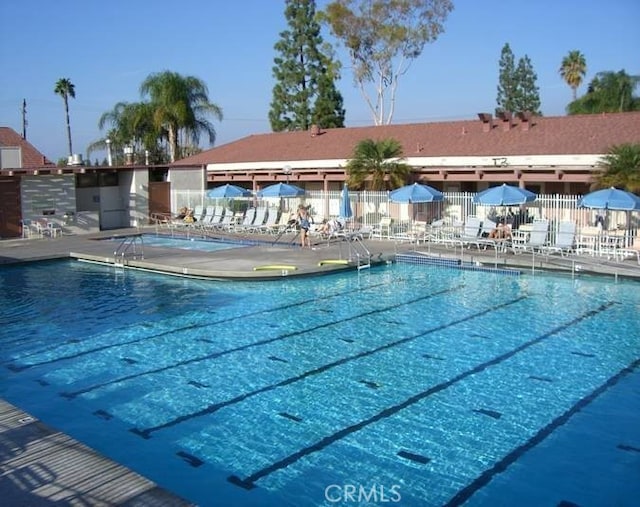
[(304, 222)]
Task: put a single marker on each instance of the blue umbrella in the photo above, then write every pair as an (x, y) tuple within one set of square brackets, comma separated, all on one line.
[(281, 190), (228, 192), (416, 193), (345, 203), (611, 198), (504, 195)]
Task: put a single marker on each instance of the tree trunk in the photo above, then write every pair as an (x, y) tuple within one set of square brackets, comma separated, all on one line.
[(66, 110)]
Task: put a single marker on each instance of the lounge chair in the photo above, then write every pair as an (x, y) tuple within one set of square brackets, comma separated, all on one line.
[(227, 221), (471, 232), (208, 217), (536, 239), (270, 222), (565, 240), (247, 223)]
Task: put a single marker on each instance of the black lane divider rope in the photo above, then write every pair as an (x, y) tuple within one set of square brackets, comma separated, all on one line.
[(215, 355), (249, 482), (482, 480), (146, 433), (18, 368)]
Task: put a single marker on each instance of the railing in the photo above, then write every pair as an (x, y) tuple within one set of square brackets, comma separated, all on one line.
[(358, 250), (128, 249)]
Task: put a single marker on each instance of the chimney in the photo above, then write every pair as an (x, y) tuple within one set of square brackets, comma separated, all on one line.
[(505, 116), (525, 119), (315, 130), (487, 121)]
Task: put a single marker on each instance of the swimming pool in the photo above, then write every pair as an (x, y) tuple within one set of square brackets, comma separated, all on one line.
[(406, 385)]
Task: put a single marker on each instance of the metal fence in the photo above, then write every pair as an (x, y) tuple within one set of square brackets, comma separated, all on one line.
[(370, 207)]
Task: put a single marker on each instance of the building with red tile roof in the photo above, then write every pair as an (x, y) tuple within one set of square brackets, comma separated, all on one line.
[(18, 153), (548, 154)]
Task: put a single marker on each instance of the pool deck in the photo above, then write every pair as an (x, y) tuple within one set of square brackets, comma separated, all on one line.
[(270, 259), (41, 466)]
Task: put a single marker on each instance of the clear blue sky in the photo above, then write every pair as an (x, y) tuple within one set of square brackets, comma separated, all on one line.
[(107, 49)]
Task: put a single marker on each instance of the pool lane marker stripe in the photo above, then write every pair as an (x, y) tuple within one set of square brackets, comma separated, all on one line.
[(249, 482), (215, 355), (482, 480), (146, 432), (418, 458), (18, 368)]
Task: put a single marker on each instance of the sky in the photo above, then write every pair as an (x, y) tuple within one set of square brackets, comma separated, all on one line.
[(108, 49)]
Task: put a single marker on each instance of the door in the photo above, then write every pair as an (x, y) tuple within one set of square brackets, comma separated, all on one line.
[(10, 214), (159, 198)]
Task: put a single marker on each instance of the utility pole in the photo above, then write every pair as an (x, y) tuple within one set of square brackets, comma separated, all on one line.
[(24, 119)]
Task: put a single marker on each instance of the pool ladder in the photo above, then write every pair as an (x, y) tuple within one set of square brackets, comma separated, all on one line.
[(358, 250), (131, 247)]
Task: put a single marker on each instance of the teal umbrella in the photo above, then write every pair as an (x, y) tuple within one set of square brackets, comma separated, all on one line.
[(281, 190), (345, 203), (504, 195), (228, 191)]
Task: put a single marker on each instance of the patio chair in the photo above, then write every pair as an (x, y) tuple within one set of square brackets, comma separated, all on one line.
[(630, 251), (537, 238), (565, 240), (383, 229)]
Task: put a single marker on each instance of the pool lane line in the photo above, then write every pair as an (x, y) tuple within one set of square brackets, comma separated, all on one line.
[(214, 407), (19, 368), (483, 479), (249, 482), (220, 353)]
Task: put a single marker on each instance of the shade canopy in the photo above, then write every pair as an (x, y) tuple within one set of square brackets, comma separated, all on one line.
[(345, 203), (611, 198), (281, 190), (416, 193), (504, 195), (228, 191)]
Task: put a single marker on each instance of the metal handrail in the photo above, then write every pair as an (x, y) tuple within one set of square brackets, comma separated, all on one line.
[(127, 244)]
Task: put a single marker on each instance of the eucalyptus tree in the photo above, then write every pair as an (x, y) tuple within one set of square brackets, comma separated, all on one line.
[(383, 38), (620, 168), (608, 92), (65, 88), (573, 70), (305, 72), (377, 165), (180, 107)]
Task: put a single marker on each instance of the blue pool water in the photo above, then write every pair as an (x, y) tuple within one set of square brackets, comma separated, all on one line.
[(406, 385), (188, 242)]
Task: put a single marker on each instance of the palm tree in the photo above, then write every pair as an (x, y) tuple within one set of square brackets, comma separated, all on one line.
[(573, 70), (131, 125), (620, 168), (377, 165), (180, 106), (65, 88)]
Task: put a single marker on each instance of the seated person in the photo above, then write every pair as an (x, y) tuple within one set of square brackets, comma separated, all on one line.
[(502, 231), (182, 213), (189, 218), (329, 227)]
